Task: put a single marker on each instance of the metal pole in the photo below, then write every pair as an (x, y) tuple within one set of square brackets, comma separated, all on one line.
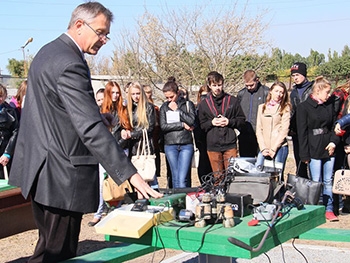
[(24, 56)]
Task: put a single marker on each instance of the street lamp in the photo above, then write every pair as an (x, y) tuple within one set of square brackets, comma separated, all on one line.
[(24, 55)]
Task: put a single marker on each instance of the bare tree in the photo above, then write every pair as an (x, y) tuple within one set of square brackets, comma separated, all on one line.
[(188, 44)]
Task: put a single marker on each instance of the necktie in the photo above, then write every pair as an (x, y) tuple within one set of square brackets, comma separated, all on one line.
[(87, 66)]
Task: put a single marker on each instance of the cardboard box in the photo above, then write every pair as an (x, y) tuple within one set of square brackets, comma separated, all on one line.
[(192, 200), (126, 223)]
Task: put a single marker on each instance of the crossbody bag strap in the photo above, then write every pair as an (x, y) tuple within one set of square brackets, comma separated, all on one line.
[(147, 144), (143, 151), (194, 142), (308, 173), (138, 147), (188, 110)]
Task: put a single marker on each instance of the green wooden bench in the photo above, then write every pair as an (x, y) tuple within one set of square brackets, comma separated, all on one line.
[(327, 234), (120, 253)]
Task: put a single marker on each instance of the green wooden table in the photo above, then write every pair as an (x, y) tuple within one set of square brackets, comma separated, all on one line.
[(291, 225)]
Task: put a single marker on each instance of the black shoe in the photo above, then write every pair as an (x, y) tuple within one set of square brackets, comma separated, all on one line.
[(345, 210), (93, 223)]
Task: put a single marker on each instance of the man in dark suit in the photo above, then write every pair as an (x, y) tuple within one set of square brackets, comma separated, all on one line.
[(62, 137)]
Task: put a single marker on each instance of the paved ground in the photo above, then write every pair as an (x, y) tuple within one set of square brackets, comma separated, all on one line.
[(284, 253)]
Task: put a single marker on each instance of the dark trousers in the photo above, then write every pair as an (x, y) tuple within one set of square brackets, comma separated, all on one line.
[(247, 142), (301, 167), (58, 233)]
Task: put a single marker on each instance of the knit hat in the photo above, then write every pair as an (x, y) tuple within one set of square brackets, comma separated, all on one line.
[(300, 68)]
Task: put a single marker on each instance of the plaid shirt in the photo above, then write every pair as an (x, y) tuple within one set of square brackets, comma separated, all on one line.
[(340, 96)]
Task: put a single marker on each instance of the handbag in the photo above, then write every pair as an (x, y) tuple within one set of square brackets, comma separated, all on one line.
[(195, 156), (111, 191), (341, 183), (305, 189), (144, 161), (341, 180)]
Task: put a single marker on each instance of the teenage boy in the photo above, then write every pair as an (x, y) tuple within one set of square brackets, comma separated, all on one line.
[(250, 97), (301, 90), (219, 114)]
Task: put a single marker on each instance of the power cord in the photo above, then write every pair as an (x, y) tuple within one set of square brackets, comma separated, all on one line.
[(299, 251), (268, 258), (158, 236), (202, 239), (204, 233), (282, 250)]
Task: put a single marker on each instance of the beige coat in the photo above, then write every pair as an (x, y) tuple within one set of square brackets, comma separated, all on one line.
[(272, 127)]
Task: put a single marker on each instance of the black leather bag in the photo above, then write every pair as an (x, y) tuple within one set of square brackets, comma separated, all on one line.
[(306, 190)]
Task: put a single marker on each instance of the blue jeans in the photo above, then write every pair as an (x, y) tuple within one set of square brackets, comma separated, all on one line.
[(280, 156), (179, 158), (321, 170)]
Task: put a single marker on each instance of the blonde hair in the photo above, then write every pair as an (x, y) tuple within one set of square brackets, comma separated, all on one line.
[(147, 88), (320, 84), (142, 120)]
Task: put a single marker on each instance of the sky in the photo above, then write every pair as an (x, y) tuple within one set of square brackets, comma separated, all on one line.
[(295, 26)]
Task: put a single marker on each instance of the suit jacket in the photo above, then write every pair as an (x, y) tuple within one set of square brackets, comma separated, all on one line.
[(62, 138)]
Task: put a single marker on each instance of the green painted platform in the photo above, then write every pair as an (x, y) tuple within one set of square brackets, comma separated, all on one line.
[(215, 239), (117, 254), (327, 234)]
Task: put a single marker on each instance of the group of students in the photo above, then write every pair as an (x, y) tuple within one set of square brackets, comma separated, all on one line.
[(312, 117), (256, 123)]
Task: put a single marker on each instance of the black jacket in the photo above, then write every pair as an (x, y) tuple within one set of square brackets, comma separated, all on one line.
[(315, 126), (220, 138), (8, 129), (295, 100), (175, 133)]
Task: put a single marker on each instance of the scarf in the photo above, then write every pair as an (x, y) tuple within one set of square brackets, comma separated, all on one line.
[(316, 99), (272, 103)]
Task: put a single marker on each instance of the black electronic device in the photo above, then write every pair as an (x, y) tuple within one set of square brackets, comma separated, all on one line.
[(140, 205), (243, 201)]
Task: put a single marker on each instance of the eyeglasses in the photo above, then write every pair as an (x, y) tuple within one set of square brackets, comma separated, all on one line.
[(100, 35)]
